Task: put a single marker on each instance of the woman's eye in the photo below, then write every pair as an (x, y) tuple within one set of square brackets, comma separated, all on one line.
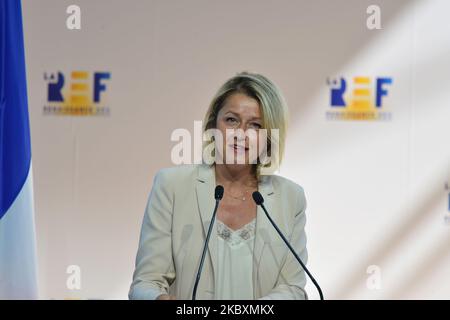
[(230, 119), (256, 125)]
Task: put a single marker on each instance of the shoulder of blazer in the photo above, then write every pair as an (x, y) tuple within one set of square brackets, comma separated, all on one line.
[(177, 175), (288, 189)]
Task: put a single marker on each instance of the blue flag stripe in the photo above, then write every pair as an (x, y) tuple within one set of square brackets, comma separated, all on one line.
[(15, 147)]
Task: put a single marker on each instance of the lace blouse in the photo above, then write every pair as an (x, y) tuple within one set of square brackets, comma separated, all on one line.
[(235, 262)]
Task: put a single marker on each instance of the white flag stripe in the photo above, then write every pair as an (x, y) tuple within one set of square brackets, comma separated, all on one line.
[(18, 261)]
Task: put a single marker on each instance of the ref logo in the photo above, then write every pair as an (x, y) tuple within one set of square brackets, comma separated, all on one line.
[(81, 95), (362, 98)]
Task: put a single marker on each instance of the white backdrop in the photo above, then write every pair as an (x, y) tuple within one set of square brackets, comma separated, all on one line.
[(376, 190)]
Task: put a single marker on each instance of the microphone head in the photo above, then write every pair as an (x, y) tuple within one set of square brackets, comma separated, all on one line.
[(258, 198), (218, 192)]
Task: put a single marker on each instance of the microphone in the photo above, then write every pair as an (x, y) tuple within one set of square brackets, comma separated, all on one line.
[(218, 195), (259, 200)]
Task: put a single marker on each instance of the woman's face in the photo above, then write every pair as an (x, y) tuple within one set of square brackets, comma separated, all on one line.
[(239, 112)]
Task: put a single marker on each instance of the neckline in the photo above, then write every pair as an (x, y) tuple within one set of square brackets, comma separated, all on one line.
[(237, 230)]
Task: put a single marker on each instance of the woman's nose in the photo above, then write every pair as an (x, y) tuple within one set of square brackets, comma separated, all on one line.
[(240, 136), (243, 126)]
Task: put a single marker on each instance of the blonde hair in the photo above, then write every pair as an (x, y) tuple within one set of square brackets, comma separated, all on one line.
[(272, 106)]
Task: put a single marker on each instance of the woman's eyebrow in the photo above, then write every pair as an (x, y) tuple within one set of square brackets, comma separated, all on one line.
[(237, 115)]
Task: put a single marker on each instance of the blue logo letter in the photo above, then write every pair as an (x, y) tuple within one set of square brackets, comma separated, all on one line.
[(380, 91), (54, 88), (98, 86), (337, 94)]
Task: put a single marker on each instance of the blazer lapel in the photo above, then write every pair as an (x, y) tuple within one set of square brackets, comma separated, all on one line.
[(263, 230), (206, 183)]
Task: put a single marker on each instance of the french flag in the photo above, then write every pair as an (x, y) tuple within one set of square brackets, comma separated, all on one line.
[(18, 261)]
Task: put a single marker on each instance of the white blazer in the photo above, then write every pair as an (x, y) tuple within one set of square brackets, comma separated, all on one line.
[(174, 228)]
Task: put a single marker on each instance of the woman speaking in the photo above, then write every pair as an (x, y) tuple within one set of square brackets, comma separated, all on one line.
[(246, 258)]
